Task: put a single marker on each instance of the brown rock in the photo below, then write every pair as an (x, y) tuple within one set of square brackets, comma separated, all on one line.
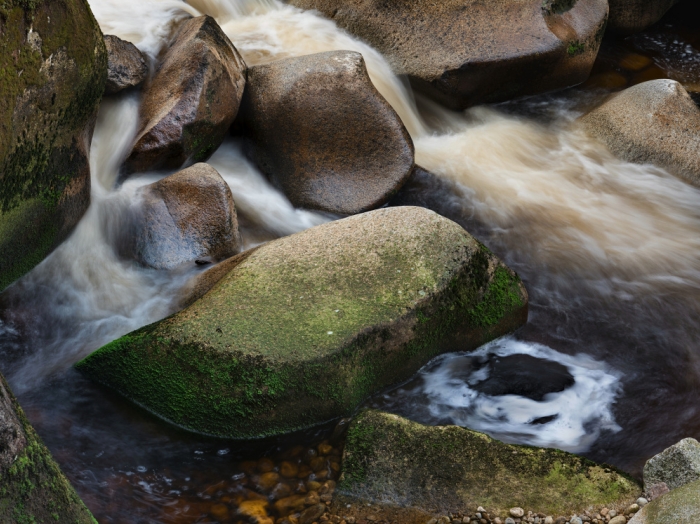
[(182, 218), (466, 52), (192, 100), (655, 122), (312, 514), (324, 134), (632, 16), (126, 65)]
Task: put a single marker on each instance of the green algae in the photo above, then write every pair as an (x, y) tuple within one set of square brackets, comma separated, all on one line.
[(290, 339), (391, 460)]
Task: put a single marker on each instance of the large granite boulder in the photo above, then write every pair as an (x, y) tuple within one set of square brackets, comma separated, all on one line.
[(680, 506), (675, 466), (397, 470), (32, 487), (467, 52), (184, 218), (126, 65), (323, 133), (632, 16), (53, 65), (192, 100), (655, 122), (305, 328)]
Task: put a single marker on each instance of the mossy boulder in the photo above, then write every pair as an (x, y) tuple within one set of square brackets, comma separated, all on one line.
[(680, 506), (410, 472), (32, 487), (467, 52), (53, 66), (305, 328)]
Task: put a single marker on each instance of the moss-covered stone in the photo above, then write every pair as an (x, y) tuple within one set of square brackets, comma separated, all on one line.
[(680, 506), (53, 66), (305, 328), (32, 488), (410, 472)]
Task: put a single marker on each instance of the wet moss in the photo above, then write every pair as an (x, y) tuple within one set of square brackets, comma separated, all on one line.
[(391, 460), (288, 340), (33, 489), (575, 48)]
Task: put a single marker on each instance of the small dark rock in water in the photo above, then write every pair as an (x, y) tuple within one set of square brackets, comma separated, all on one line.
[(526, 376), (126, 65)]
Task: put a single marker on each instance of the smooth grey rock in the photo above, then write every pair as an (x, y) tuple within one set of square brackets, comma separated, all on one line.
[(676, 466)]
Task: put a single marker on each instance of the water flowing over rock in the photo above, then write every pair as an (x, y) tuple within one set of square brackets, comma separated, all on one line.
[(680, 506), (192, 100), (32, 487), (655, 122), (464, 53), (675, 466), (410, 472), (324, 134), (54, 63), (632, 16), (126, 66), (186, 217), (305, 328)]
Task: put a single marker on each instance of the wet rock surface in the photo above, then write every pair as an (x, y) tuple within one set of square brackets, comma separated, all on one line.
[(524, 375), (397, 470), (632, 16), (190, 103), (307, 327), (54, 66), (323, 133), (467, 53), (126, 65), (32, 488), (184, 218), (655, 122), (675, 466)]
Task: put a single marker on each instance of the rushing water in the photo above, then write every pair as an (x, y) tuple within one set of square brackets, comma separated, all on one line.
[(609, 252)]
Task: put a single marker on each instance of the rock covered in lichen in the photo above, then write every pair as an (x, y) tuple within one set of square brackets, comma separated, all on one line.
[(126, 65), (323, 133), (680, 506), (32, 487), (466, 52), (675, 466), (186, 217), (305, 328), (53, 65), (409, 473), (190, 103)]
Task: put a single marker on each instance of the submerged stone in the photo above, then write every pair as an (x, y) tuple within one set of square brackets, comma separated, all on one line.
[(32, 487), (467, 52), (323, 133), (191, 101), (53, 66), (304, 328), (409, 472), (655, 122)]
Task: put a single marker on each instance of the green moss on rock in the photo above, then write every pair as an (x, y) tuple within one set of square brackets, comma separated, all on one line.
[(414, 471), (307, 327), (53, 66), (32, 488)]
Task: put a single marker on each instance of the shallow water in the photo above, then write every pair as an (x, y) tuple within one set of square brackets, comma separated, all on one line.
[(609, 252)]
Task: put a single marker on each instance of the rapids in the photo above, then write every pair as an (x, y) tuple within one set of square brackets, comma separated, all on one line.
[(609, 252)]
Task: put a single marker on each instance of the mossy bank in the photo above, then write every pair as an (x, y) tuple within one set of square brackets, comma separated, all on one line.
[(410, 472), (305, 328), (32, 488), (53, 66)]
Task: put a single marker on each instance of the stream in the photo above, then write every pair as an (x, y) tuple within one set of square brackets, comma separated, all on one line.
[(609, 252)]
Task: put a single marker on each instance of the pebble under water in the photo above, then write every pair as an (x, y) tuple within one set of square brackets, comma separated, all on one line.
[(609, 253)]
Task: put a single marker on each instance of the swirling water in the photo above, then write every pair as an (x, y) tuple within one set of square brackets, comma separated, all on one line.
[(609, 252)]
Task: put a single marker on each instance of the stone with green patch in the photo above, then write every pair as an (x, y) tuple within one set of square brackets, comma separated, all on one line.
[(409, 472), (32, 488), (53, 66), (680, 506), (305, 328)]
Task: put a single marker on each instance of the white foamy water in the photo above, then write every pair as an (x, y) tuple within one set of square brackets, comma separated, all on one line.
[(579, 413)]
